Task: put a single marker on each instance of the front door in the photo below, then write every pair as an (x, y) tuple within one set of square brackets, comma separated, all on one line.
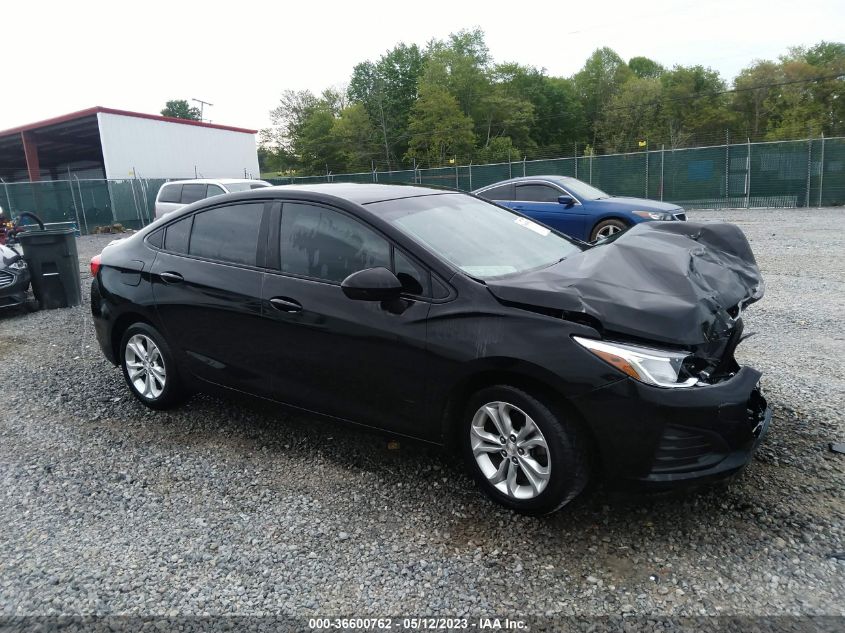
[(358, 360), (540, 202)]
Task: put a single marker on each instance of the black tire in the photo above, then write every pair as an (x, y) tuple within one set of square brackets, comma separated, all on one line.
[(567, 457), (173, 392), (612, 224)]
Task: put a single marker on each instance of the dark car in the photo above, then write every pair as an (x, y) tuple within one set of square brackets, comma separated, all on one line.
[(446, 318), (575, 208), (14, 278)]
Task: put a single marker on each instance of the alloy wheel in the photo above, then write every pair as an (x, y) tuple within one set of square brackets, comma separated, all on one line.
[(607, 231), (510, 450), (145, 366)]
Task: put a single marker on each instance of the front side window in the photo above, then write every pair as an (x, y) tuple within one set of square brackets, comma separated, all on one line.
[(192, 193), (214, 190), (480, 238), (228, 234), (537, 193), (325, 244)]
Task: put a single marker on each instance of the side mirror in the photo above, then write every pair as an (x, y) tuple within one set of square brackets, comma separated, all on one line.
[(566, 201), (372, 284)]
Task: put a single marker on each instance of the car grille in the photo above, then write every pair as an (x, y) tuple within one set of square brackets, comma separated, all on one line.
[(683, 449), (6, 278), (681, 216)]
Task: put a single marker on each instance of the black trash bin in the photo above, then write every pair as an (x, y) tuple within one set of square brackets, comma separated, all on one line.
[(54, 267)]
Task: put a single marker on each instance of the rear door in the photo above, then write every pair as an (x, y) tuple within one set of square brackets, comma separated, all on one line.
[(540, 201), (207, 289), (358, 360)]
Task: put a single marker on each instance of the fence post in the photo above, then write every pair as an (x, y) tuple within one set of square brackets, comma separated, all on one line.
[(748, 173), (821, 173), (510, 169), (457, 182), (809, 170), (662, 161), (470, 175), (73, 197), (646, 170), (591, 167), (8, 198), (523, 166), (576, 159), (727, 165)]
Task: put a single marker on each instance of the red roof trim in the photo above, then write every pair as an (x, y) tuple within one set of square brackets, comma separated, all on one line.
[(140, 115)]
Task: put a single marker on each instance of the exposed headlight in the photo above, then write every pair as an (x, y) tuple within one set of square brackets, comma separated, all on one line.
[(18, 265), (654, 215), (652, 366)]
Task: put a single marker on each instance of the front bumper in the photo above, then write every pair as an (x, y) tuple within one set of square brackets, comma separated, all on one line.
[(13, 287), (662, 438)]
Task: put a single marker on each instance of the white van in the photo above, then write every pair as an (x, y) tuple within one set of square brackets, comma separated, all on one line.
[(177, 193)]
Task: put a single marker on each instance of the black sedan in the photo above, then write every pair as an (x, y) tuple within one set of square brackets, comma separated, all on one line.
[(443, 317)]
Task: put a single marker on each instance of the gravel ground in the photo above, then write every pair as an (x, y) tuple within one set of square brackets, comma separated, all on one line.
[(223, 507)]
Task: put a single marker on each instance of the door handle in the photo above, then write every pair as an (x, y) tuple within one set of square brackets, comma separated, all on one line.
[(171, 278), (286, 304)]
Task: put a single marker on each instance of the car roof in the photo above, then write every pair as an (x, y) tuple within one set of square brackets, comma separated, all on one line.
[(211, 181), (547, 178), (361, 193)]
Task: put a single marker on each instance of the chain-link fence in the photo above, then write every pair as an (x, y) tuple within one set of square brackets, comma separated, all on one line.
[(86, 204), (802, 173), (809, 172)]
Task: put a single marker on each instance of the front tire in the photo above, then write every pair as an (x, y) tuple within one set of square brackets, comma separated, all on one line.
[(606, 228), (149, 367), (524, 453)]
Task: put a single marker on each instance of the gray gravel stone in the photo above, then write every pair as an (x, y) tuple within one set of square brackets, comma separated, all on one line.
[(223, 507)]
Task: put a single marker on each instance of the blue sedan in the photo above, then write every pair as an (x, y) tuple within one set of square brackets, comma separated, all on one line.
[(576, 208)]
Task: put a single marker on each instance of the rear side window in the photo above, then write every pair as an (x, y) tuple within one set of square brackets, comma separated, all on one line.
[(170, 193), (214, 190), (537, 193), (325, 244), (502, 192), (177, 234), (228, 234), (192, 193)]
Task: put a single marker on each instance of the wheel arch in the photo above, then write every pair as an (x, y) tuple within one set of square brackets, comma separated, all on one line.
[(123, 323), (532, 382)]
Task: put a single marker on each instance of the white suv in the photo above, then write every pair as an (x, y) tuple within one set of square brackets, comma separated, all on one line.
[(177, 193)]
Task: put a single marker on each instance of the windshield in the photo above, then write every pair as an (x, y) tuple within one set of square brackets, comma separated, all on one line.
[(480, 238), (582, 190), (244, 186)]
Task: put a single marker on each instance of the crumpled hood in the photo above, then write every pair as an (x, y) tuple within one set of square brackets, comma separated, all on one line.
[(674, 282)]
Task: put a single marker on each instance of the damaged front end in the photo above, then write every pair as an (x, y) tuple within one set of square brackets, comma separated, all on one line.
[(675, 290), (666, 301)]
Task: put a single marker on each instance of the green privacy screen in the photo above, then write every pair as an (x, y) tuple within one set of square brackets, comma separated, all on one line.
[(748, 175)]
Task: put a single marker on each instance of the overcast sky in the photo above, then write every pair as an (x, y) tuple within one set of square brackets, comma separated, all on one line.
[(66, 56)]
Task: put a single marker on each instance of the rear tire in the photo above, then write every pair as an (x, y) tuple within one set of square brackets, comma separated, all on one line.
[(149, 367), (523, 453), (606, 228)]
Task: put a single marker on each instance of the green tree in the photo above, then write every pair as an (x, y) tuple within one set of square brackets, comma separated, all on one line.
[(694, 105), (438, 128), (181, 109), (356, 138), (598, 82), (461, 65), (645, 68), (633, 114), (498, 150), (753, 102), (387, 89)]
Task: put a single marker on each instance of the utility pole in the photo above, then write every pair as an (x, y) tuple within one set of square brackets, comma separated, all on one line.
[(202, 105)]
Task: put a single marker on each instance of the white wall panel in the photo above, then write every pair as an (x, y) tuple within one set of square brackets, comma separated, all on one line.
[(161, 149)]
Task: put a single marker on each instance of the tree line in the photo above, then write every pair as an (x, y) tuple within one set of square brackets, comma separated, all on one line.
[(449, 102)]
